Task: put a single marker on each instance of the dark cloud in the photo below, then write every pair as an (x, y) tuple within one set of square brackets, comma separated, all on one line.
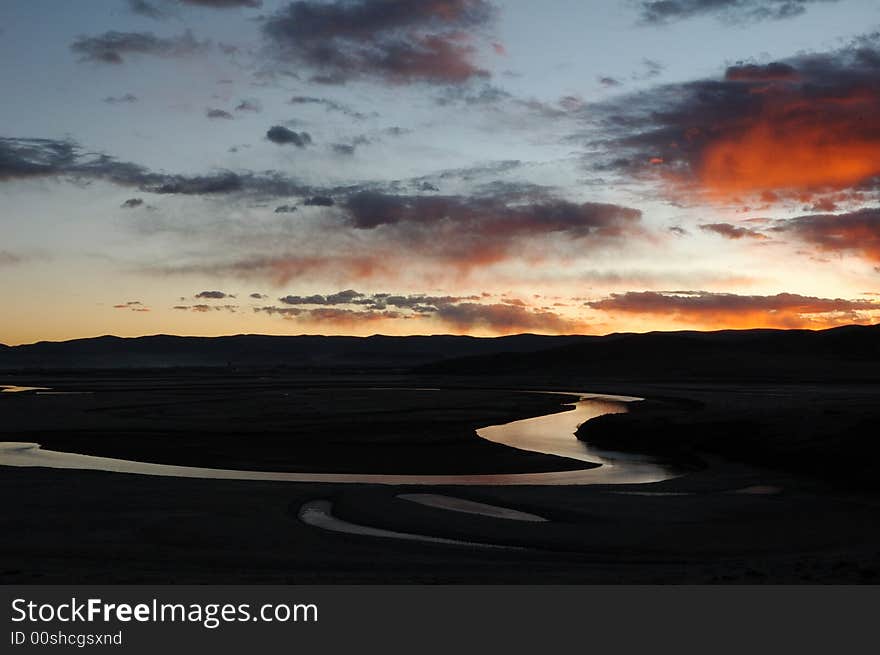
[(218, 113), (609, 81), (341, 298), (22, 158), (329, 105), (319, 201), (251, 105), (343, 149), (132, 305), (285, 209), (806, 125), (459, 313), (729, 231), (651, 69), (395, 40), (131, 203), (732, 310), (664, 11), (484, 94), (856, 232), (284, 136), (223, 4), (115, 100), (213, 295), (773, 72), (144, 8), (114, 47), (25, 158), (204, 309), (368, 210), (372, 235)]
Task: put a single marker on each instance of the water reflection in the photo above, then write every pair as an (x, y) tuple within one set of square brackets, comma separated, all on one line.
[(12, 388), (552, 434)]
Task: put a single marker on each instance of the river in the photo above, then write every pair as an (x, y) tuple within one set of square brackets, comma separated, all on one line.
[(551, 434)]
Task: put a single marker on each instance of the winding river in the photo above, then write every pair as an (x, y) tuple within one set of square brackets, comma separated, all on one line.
[(551, 434)]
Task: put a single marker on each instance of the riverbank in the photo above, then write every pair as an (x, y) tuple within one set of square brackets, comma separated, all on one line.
[(731, 522), (825, 432), (285, 425)]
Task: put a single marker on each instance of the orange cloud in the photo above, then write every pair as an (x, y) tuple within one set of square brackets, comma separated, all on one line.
[(702, 309), (785, 150), (796, 129)]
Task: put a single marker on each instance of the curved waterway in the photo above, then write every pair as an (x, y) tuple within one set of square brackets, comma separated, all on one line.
[(551, 434)]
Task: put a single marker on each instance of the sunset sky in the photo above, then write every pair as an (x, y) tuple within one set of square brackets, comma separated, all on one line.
[(211, 167)]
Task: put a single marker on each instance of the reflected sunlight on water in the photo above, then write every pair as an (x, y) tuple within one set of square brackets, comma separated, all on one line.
[(551, 434)]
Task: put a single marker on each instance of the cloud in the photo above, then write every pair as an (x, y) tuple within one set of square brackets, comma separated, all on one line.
[(773, 72), (319, 201), (329, 105), (281, 269), (131, 203), (218, 113), (285, 209), (506, 319), (790, 129), (394, 40), (132, 305), (343, 149), (856, 232), (703, 308), (223, 4), (460, 314), (340, 298), (738, 11), (213, 295), (729, 231), (31, 158), (144, 8), (23, 158), (128, 98), (251, 105), (115, 47), (369, 235), (339, 318), (491, 215), (609, 81), (283, 136)]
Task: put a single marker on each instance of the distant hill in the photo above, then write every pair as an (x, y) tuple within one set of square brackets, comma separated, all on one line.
[(308, 352), (845, 353)]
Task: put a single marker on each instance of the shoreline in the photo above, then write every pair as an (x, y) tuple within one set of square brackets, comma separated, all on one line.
[(703, 528), (545, 434)]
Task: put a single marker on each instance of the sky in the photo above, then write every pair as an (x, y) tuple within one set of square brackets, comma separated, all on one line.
[(208, 167)]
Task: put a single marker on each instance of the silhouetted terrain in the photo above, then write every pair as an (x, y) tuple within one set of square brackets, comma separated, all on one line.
[(254, 350), (839, 354), (774, 431)]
